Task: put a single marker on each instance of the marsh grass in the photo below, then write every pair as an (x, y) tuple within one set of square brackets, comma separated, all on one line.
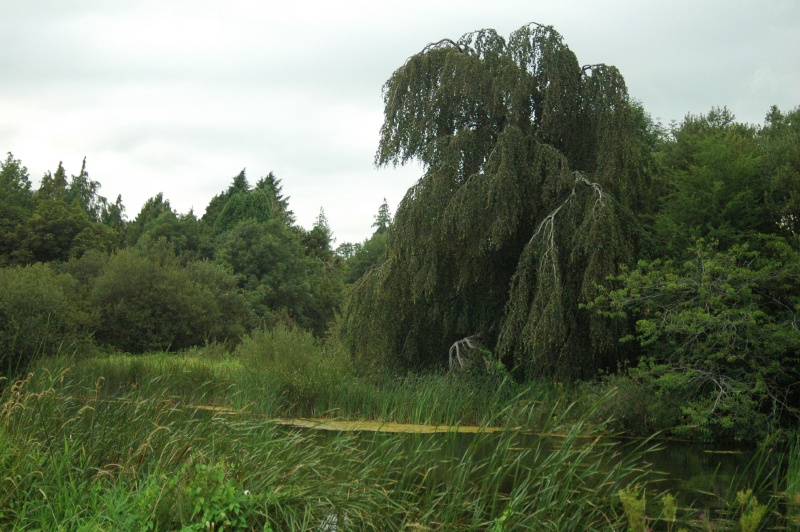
[(793, 483), (73, 459), (180, 440), (286, 372)]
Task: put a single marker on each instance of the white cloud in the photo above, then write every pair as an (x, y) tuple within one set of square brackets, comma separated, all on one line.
[(178, 96)]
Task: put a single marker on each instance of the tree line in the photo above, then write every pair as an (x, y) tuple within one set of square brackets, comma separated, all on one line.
[(76, 275), (560, 229), (557, 232)]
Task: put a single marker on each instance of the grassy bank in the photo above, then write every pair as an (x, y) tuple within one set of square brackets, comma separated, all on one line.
[(289, 373), (76, 459), (188, 441)]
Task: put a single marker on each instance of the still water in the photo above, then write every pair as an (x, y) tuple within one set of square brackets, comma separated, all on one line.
[(703, 478)]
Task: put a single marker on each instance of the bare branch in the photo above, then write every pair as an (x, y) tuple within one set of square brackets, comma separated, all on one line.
[(467, 343), (547, 225)]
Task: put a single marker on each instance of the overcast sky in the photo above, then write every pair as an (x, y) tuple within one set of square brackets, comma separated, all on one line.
[(178, 96)]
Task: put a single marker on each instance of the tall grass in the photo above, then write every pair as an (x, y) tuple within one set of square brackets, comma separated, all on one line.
[(168, 441), (286, 372), (195, 375), (793, 483), (73, 459)]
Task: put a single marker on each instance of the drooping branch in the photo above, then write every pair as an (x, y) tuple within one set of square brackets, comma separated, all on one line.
[(547, 225), (460, 353), (518, 212), (445, 43)]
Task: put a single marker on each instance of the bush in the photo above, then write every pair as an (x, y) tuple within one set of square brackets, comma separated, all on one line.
[(636, 401), (229, 314), (279, 274), (295, 365), (39, 315), (150, 303), (720, 332)]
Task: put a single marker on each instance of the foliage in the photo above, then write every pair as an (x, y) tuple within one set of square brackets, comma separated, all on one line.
[(633, 500), (360, 258), (383, 220), (57, 231), (83, 192), (278, 275), (779, 143), (182, 233), (250, 205), (54, 185), (365, 256), (152, 210), (642, 403), (149, 303), (260, 203), (238, 185), (85, 270), (16, 204), (792, 487), (39, 316), (228, 315), (58, 221), (669, 510), (318, 241), (280, 203), (715, 186), (720, 330), (727, 181), (217, 503), (752, 511), (532, 165), (295, 366), (81, 460)]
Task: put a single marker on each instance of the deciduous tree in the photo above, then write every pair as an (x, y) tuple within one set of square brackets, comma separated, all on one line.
[(532, 165), (16, 204)]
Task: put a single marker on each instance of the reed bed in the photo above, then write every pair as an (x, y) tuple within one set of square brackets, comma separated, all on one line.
[(189, 441), (285, 372), (73, 459)]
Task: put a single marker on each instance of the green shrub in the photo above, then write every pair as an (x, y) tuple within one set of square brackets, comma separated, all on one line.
[(641, 401), (633, 503), (228, 313), (295, 365), (149, 302), (39, 315), (720, 332), (279, 274), (752, 511)]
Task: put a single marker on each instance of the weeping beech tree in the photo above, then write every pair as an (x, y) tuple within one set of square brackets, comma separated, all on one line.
[(532, 168)]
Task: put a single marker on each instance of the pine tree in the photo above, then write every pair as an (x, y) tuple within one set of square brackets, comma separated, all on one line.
[(84, 191), (54, 186), (272, 185), (383, 219)]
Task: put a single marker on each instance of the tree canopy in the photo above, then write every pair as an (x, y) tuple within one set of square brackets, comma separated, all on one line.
[(532, 166)]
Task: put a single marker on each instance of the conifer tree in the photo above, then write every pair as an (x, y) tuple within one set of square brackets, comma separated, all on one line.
[(383, 219), (532, 166), (54, 186)]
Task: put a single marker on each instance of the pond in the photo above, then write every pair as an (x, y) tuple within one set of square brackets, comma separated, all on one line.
[(705, 479)]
